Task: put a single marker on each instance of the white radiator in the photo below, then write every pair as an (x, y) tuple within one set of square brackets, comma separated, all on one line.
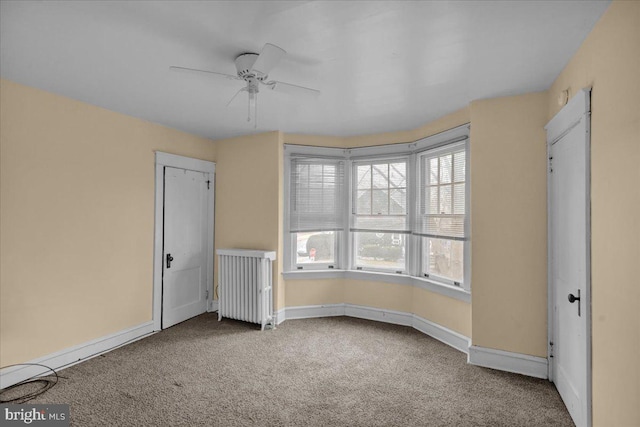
[(245, 290)]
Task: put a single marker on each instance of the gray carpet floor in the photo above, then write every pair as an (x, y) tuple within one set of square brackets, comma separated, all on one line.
[(318, 372)]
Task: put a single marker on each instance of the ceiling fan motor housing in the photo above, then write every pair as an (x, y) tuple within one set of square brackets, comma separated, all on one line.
[(244, 65)]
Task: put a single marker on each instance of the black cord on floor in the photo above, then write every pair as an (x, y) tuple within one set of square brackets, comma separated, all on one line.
[(47, 383)]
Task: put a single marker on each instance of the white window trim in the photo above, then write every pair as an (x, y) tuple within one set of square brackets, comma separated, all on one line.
[(344, 266), (418, 271), (409, 159), (289, 247)]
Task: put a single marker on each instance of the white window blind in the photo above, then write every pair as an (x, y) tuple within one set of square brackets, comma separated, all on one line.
[(316, 194), (442, 198), (380, 196)]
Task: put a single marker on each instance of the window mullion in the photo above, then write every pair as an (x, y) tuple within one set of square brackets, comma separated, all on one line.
[(371, 189), (346, 243), (412, 201)]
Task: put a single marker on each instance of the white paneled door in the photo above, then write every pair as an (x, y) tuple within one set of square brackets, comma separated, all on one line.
[(184, 281), (569, 261)]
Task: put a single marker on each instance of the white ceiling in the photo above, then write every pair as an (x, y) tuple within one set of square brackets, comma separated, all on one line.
[(381, 65)]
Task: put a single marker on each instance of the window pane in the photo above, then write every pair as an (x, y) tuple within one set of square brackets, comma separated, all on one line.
[(364, 176), (398, 175), (445, 199), (458, 199), (398, 202), (329, 175), (444, 258), (459, 166), (381, 176), (315, 176), (328, 203), (315, 202), (433, 170), (380, 250), (363, 204), (444, 225), (302, 172), (380, 205), (432, 200), (316, 195), (445, 169), (315, 247)]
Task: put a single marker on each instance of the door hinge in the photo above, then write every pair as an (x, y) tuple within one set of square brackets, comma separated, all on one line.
[(208, 184), (206, 294), (551, 164), (550, 348)]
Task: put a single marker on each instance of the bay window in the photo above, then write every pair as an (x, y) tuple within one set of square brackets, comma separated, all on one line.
[(398, 209)]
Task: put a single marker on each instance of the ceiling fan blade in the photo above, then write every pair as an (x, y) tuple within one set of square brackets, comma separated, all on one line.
[(195, 70), (234, 96), (268, 58), (292, 89)]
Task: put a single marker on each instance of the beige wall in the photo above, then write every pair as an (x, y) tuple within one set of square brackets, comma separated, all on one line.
[(508, 223), (314, 292), (76, 219), (442, 124), (248, 197), (609, 62), (445, 311)]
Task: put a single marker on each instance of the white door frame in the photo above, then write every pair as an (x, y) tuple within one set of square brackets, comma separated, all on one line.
[(577, 109), (173, 160)]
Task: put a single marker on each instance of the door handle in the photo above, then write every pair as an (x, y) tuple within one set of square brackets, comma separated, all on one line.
[(573, 298), (169, 259)]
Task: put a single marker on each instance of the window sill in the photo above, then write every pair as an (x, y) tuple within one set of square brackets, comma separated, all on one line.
[(430, 285), (313, 274)]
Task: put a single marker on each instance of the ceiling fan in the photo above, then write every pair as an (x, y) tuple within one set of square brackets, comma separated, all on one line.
[(253, 69)]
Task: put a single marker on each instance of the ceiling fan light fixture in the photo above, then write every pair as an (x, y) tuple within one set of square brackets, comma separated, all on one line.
[(244, 67), (254, 68)]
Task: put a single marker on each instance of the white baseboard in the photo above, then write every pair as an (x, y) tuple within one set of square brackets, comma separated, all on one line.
[(213, 306), (507, 361), (310, 311), (72, 355), (378, 314), (445, 335), (280, 316), (442, 334)]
